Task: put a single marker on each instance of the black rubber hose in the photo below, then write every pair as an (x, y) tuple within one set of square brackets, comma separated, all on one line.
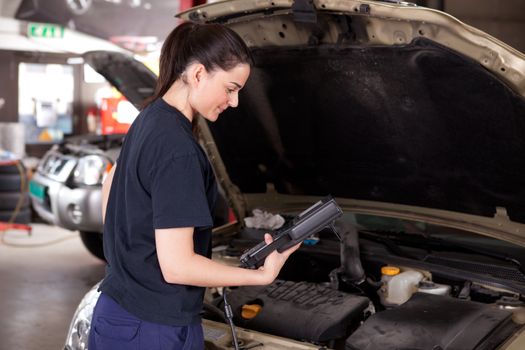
[(350, 255)]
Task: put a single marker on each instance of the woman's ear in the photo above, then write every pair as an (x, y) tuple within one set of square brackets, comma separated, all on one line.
[(196, 72)]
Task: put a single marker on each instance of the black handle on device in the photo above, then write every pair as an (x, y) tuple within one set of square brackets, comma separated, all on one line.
[(312, 220)]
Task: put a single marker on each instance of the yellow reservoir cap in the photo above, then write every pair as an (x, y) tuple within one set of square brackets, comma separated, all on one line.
[(390, 270), (249, 311)]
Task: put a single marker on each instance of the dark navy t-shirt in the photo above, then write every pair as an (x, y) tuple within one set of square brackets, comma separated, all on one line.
[(162, 180)]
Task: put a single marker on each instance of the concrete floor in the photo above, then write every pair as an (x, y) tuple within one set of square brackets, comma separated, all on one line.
[(42, 279)]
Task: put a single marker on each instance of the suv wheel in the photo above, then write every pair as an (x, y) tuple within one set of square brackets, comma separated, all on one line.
[(93, 242)]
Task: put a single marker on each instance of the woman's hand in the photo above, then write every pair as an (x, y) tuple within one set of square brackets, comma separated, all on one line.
[(274, 261)]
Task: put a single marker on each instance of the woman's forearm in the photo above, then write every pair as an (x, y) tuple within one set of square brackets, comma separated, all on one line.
[(203, 272), (180, 264)]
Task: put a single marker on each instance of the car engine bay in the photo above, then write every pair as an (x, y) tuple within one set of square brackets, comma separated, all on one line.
[(377, 288)]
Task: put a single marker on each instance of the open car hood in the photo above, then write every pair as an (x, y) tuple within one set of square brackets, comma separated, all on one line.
[(132, 78), (395, 110)]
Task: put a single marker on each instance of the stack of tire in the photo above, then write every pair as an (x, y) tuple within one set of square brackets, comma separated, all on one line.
[(14, 198)]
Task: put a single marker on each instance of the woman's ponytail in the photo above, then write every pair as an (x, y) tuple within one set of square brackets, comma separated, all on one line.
[(212, 45)]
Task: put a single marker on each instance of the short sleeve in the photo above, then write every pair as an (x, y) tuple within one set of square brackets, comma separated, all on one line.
[(178, 194)]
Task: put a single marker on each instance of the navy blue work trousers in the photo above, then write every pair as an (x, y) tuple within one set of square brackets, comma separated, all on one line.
[(113, 328)]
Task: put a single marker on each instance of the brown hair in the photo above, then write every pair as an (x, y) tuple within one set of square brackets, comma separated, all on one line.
[(212, 45)]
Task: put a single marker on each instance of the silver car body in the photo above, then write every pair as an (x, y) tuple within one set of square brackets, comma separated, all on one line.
[(75, 208), (381, 24)]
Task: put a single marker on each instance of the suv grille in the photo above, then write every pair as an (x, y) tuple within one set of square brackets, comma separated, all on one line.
[(56, 165)]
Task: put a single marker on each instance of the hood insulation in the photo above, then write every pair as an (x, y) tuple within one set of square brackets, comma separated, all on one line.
[(415, 124)]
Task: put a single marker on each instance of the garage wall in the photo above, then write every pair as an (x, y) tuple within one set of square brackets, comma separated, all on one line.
[(8, 94), (504, 20), (87, 93)]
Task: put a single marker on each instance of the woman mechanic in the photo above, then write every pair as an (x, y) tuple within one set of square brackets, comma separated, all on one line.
[(158, 202)]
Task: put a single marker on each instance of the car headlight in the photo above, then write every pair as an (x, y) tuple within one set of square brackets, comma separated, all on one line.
[(91, 170), (78, 334)]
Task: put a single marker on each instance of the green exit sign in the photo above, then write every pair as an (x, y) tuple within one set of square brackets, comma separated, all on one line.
[(45, 30)]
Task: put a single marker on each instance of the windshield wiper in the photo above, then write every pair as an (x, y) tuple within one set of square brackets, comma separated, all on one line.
[(419, 240), (386, 240)]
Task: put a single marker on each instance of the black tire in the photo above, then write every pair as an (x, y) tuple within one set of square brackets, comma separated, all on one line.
[(9, 169), (93, 243), (11, 182), (9, 200), (23, 216)]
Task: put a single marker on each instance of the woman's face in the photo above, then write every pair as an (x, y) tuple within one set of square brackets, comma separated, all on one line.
[(218, 90)]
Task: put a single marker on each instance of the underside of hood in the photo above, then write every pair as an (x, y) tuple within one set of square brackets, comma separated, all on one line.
[(395, 109), (415, 124)]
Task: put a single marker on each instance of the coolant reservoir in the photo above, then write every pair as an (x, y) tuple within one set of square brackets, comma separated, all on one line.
[(401, 286), (387, 272), (430, 287)]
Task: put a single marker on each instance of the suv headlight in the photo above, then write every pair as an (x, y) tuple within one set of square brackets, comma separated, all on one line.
[(78, 334), (91, 170)]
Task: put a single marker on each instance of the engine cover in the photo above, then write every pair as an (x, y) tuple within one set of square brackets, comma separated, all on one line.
[(429, 321), (303, 311)]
